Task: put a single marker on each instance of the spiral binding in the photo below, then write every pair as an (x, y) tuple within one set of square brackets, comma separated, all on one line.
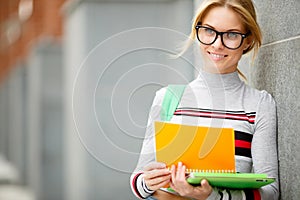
[(207, 170)]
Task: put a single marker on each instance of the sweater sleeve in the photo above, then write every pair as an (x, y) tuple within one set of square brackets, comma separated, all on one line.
[(147, 154)]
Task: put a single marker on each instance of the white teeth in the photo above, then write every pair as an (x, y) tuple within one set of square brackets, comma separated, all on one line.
[(217, 55)]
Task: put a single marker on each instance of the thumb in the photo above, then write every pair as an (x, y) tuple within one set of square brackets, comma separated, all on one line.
[(206, 187), (205, 184)]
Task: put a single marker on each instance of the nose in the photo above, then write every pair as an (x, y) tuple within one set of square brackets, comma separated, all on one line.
[(218, 43)]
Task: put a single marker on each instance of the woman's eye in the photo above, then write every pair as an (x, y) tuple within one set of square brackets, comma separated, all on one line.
[(232, 35), (209, 31)]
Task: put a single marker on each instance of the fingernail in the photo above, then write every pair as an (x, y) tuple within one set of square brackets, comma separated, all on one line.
[(172, 167), (163, 164)]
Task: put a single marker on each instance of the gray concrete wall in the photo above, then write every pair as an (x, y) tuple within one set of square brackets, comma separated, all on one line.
[(277, 70)]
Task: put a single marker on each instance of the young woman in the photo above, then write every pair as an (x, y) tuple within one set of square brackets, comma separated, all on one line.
[(225, 29)]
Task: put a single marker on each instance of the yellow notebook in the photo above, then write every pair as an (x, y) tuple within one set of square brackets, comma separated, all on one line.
[(200, 149)]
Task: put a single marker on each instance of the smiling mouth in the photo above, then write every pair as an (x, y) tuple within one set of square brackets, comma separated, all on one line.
[(217, 56)]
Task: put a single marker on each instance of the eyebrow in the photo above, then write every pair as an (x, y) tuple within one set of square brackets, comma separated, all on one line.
[(229, 30)]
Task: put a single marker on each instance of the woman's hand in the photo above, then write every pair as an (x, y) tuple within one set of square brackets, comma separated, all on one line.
[(156, 175), (181, 186)]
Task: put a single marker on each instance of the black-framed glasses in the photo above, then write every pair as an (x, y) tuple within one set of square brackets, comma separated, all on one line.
[(231, 40)]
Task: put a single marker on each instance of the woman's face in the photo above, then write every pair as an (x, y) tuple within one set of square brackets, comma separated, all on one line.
[(218, 58)]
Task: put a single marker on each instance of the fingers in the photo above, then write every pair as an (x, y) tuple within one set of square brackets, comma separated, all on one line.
[(157, 182), (181, 186), (203, 191), (179, 173), (178, 180), (155, 165), (156, 175), (205, 185)]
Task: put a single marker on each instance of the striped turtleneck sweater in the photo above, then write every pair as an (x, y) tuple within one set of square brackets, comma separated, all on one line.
[(222, 100)]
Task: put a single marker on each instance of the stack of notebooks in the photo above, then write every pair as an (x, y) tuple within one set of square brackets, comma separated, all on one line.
[(207, 152)]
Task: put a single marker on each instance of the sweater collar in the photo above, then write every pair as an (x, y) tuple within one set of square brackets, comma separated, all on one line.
[(230, 80)]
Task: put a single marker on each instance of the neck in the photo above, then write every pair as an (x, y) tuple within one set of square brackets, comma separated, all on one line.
[(217, 80)]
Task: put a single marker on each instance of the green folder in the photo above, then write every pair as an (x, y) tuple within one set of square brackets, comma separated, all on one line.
[(231, 180)]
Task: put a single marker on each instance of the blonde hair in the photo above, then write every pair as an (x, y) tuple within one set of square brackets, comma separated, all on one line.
[(244, 8)]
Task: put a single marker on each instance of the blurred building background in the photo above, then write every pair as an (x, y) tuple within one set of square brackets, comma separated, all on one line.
[(77, 79)]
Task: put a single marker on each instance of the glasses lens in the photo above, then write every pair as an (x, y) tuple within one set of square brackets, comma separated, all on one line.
[(206, 35), (232, 40)]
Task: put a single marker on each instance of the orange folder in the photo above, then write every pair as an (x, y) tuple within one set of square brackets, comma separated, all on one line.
[(201, 149)]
